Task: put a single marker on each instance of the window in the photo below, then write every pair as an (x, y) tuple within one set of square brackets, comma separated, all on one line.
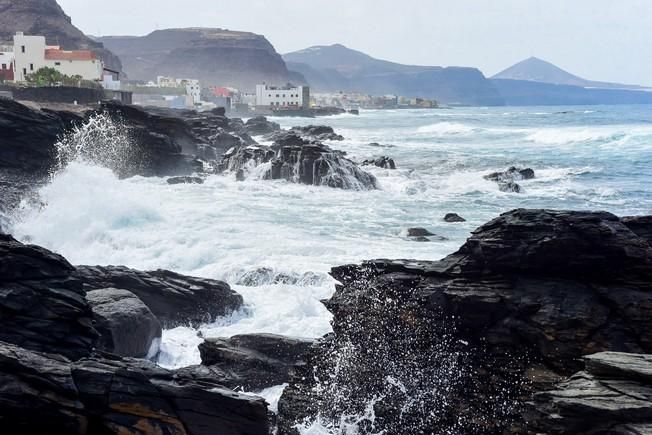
[(22, 48), (24, 71), (31, 67), (57, 63), (4, 66)]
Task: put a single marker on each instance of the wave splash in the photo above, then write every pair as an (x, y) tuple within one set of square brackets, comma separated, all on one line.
[(103, 141)]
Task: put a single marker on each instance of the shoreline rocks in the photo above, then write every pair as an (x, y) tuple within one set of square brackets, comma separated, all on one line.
[(507, 180), (453, 218), (382, 162), (505, 317)]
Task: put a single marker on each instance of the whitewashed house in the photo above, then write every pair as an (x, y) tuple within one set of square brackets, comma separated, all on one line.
[(286, 97)]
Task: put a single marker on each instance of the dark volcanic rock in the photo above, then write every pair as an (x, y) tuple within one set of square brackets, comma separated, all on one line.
[(317, 132), (456, 346), (507, 181), (254, 361), (47, 394), (259, 126), (306, 163), (127, 327), (453, 218), (612, 396), (42, 307), (173, 298), (185, 180), (418, 232), (641, 225), (382, 162)]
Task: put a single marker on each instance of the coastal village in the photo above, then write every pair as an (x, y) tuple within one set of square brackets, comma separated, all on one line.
[(31, 62)]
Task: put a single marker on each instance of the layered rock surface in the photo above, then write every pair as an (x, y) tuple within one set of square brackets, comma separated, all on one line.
[(458, 345)]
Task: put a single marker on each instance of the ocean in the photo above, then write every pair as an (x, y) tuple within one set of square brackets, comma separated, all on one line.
[(275, 242)]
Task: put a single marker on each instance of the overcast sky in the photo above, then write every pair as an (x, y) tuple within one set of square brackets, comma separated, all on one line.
[(608, 40)]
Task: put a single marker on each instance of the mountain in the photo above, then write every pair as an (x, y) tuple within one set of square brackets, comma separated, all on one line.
[(338, 68), (213, 56), (45, 17), (537, 70)]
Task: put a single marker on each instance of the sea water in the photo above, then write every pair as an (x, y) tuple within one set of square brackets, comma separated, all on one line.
[(253, 232)]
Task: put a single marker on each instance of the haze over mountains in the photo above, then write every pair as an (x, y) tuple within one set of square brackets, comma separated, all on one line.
[(338, 68)]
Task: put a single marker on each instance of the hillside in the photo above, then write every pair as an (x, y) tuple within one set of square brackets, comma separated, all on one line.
[(214, 56), (537, 70), (45, 17), (338, 68)]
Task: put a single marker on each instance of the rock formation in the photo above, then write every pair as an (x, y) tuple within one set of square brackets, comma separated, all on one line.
[(507, 180), (173, 298), (460, 344), (382, 162), (46, 18), (213, 56)]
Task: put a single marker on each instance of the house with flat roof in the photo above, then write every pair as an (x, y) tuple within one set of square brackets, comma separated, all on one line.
[(283, 97)]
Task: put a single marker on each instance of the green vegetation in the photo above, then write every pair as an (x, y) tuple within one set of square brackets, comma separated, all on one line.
[(51, 77)]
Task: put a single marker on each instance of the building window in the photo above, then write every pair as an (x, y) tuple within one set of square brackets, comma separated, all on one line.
[(4, 66), (22, 48), (57, 63), (24, 71)]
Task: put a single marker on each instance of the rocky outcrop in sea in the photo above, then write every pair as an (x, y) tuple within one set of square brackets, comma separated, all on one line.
[(463, 344)]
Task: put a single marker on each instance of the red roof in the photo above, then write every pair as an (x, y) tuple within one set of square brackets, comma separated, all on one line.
[(52, 54)]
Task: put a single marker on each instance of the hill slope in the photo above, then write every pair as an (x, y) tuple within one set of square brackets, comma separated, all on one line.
[(537, 70), (45, 17), (214, 56), (338, 68)]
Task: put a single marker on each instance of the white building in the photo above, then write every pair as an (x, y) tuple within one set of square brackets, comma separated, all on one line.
[(193, 89), (31, 54), (287, 97)]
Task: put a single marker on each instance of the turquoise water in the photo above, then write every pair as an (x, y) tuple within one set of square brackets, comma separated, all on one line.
[(596, 158)]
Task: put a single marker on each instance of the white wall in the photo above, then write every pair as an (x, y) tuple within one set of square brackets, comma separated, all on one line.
[(282, 97), (88, 69), (29, 52)]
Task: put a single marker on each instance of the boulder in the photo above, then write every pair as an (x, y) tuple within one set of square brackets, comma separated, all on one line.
[(42, 306), (507, 180), (418, 232), (259, 126), (453, 218), (382, 162), (116, 396), (254, 361), (126, 326), (317, 133), (173, 298), (641, 225), (514, 310), (185, 180), (612, 396)]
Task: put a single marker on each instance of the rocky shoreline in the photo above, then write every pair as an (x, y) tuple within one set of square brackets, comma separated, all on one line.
[(539, 324)]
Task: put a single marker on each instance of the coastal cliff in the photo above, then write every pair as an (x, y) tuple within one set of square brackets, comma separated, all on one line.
[(213, 56), (45, 17)]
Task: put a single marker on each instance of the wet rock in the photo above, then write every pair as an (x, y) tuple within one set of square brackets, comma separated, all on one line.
[(317, 133), (453, 218), (612, 396), (42, 306), (126, 326), (254, 361), (313, 164), (382, 162), (507, 180), (259, 125), (173, 298), (517, 307), (418, 232), (116, 396), (185, 180), (267, 276)]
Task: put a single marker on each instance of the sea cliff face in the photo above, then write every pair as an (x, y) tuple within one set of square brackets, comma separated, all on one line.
[(45, 17), (213, 56)]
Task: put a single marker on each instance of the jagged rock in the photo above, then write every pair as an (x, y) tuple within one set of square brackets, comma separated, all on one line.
[(185, 180), (613, 396), (507, 181), (126, 326), (173, 298), (259, 126), (382, 162), (514, 309), (48, 394), (287, 138), (418, 232), (453, 218), (312, 164), (42, 307), (317, 133), (254, 361)]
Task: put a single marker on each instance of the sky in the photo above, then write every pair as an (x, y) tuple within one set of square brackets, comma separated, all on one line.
[(605, 40)]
